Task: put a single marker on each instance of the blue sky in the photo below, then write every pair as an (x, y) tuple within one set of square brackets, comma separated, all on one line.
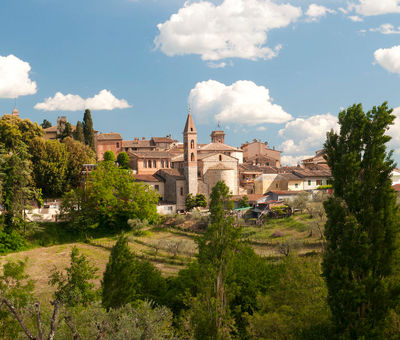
[(279, 71)]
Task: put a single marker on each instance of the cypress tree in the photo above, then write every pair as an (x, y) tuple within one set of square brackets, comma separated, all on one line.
[(362, 223), (78, 135), (88, 131)]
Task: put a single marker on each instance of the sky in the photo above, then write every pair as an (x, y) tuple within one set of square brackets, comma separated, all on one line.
[(278, 71)]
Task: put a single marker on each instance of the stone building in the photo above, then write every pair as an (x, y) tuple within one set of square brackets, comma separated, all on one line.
[(55, 131), (258, 153), (108, 142)]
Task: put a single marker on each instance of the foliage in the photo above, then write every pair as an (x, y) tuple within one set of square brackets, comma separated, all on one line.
[(127, 279), (137, 225), (201, 201), (78, 134), (326, 186), (142, 321), (78, 154), (66, 132), (295, 305), (123, 160), (362, 226), (195, 201), (299, 202), (11, 241), (50, 162), (75, 287), (46, 124), (109, 156), (88, 131), (15, 286), (244, 202), (110, 199)]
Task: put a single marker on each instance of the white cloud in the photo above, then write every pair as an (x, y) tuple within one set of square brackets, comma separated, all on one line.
[(14, 78), (315, 12), (216, 65), (376, 7), (243, 102), (232, 29), (261, 128), (306, 135), (104, 100), (355, 18), (293, 160), (386, 29), (389, 58), (394, 131)]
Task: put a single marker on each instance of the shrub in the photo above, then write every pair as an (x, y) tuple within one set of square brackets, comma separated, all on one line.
[(10, 242), (137, 225)]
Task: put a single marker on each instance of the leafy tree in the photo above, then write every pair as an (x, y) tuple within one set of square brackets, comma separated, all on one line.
[(78, 154), (76, 286), (78, 134), (123, 160), (17, 289), (362, 226), (190, 202), (88, 131), (46, 124), (127, 279), (195, 201), (295, 305), (109, 156), (50, 166), (66, 132), (212, 317), (244, 202), (201, 201)]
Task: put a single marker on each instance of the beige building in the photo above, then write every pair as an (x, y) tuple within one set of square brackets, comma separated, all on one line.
[(108, 142), (149, 162), (258, 153)]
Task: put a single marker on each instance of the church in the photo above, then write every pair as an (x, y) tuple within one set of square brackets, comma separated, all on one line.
[(197, 169)]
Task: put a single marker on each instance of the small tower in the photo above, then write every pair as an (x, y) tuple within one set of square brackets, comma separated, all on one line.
[(218, 136), (190, 155), (15, 112)]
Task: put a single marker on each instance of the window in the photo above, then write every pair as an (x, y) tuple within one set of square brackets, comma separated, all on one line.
[(276, 185), (220, 158), (192, 144), (309, 182), (154, 163), (162, 163), (144, 164), (191, 129), (117, 145), (166, 164), (319, 182), (192, 157), (181, 191), (157, 187), (296, 185), (149, 163)]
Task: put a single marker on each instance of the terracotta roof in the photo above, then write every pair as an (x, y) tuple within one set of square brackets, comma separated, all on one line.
[(189, 126), (178, 158), (285, 192), (312, 173), (162, 139), (51, 129), (396, 187), (145, 178), (251, 197), (176, 173), (144, 143), (289, 176), (264, 157), (109, 136), (150, 154), (218, 147)]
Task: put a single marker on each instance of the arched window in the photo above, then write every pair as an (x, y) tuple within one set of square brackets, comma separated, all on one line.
[(192, 157), (220, 158), (149, 163), (192, 144)]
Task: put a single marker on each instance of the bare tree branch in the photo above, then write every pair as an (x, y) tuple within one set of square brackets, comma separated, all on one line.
[(39, 320), (72, 327), (54, 319), (18, 317)]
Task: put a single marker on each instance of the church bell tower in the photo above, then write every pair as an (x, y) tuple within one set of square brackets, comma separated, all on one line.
[(190, 155)]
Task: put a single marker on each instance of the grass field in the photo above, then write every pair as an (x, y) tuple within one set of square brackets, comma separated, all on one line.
[(169, 248)]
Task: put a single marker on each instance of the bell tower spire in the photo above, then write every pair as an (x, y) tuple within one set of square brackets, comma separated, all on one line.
[(190, 155)]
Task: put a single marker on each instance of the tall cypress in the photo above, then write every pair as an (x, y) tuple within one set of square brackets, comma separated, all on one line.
[(88, 131), (362, 223), (78, 135)]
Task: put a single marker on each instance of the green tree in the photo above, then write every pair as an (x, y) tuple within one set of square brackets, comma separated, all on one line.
[(190, 202), (78, 134), (109, 156), (46, 124), (362, 226), (201, 201), (66, 132), (88, 131), (128, 279), (78, 154), (244, 202), (50, 166), (195, 201), (123, 160)]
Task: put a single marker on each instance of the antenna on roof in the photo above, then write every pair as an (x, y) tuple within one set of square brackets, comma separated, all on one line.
[(219, 125), (15, 103), (189, 109)]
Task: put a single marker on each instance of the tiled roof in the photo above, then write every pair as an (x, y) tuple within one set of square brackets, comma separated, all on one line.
[(312, 173), (218, 147), (251, 197), (144, 143), (150, 154), (177, 158), (284, 192), (162, 139), (145, 178), (109, 136), (176, 173), (289, 176), (51, 129), (396, 187)]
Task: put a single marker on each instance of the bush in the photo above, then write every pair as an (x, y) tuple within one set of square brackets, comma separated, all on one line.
[(137, 225), (10, 242)]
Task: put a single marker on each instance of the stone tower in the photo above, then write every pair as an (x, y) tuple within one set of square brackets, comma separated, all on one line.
[(218, 136), (190, 155)]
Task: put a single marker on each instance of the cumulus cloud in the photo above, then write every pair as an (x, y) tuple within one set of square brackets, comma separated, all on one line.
[(376, 7), (14, 78), (293, 160), (261, 128), (355, 18), (243, 102), (104, 100), (315, 12), (232, 29), (389, 58), (386, 29), (216, 65), (305, 135)]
